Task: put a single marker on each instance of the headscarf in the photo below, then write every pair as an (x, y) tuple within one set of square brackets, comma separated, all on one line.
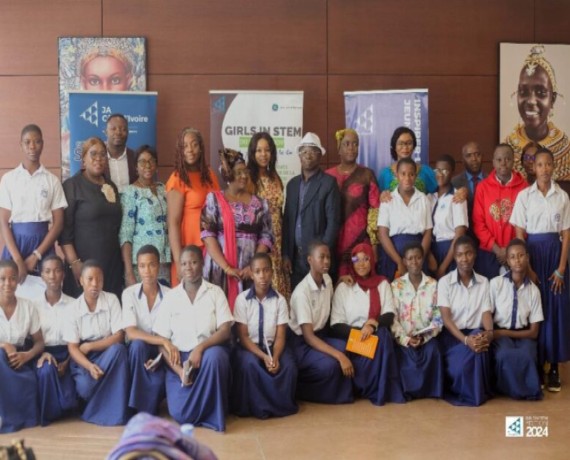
[(369, 283), (339, 135)]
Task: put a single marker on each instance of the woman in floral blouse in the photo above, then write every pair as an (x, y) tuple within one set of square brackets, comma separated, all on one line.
[(417, 321)]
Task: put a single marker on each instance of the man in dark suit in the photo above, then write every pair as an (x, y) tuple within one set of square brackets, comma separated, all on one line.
[(121, 164), (473, 174), (312, 210)]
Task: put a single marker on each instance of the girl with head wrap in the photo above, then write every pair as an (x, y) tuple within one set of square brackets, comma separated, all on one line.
[(368, 305)]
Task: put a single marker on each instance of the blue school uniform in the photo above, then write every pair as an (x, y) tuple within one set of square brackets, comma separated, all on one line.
[(57, 393), (376, 379), (320, 376), (255, 391), (19, 388), (467, 374), (147, 387), (406, 223), (515, 360), (543, 218), (187, 324), (105, 400)]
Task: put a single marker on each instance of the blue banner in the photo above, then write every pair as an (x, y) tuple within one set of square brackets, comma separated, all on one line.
[(89, 111), (376, 114)]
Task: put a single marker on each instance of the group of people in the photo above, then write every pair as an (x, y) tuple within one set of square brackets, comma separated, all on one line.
[(243, 300)]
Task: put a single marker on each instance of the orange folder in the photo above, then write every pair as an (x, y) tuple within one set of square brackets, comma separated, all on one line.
[(365, 348)]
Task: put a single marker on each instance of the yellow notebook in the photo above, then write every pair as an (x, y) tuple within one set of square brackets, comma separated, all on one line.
[(365, 348)]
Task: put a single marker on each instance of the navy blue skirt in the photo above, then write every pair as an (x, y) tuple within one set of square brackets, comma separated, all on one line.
[(440, 250), (18, 396), (378, 379), (205, 402), (28, 236), (147, 387), (105, 399), (387, 266), (467, 374), (515, 365), (421, 370), (320, 377), (486, 264), (554, 336), (57, 393), (256, 392)]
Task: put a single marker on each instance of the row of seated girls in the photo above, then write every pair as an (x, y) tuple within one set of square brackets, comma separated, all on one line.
[(61, 355)]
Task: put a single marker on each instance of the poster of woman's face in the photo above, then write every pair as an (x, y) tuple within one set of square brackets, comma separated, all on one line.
[(97, 64), (534, 79)]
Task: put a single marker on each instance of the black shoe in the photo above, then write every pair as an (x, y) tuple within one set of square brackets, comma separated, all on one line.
[(553, 381)]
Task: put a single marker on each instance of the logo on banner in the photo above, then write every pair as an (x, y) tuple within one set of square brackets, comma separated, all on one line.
[(275, 107), (365, 121), (514, 427), (91, 115), (219, 105)]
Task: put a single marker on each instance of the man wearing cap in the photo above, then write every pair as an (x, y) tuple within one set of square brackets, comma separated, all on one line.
[(312, 210)]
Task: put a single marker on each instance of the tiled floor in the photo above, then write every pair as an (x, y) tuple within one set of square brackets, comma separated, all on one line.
[(418, 430)]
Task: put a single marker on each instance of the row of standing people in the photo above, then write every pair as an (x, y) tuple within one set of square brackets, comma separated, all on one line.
[(93, 215)]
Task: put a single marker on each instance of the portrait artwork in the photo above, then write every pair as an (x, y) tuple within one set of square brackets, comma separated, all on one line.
[(534, 80), (97, 64)]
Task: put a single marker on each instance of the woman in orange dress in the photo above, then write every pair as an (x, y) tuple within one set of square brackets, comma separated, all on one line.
[(261, 161), (186, 192)]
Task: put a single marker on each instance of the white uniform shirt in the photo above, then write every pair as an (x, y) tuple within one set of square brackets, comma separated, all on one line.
[(53, 318), (119, 170), (188, 324), (529, 303), (311, 304), (135, 307), (351, 304), (31, 197), (84, 325), (24, 322), (537, 213), (447, 216), (400, 218), (275, 313), (467, 304)]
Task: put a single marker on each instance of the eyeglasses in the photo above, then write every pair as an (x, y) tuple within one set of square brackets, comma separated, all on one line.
[(405, 144), (529, 158), (356, 259), (242, 173), (443, 172), (149, 163), (98, 155)]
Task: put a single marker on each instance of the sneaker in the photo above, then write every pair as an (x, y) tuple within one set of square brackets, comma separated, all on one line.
[(553, 381)]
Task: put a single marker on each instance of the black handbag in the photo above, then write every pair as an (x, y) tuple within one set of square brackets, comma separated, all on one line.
[(17, 451)]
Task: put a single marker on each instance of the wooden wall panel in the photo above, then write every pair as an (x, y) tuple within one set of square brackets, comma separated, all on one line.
[(29, 100), (418, 37), (185, 101), (460, 108), (552, 21), (29, 30), (225, 36)]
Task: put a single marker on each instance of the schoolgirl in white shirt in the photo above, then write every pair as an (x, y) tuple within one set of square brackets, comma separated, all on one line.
[(264, 371), (18, 320)]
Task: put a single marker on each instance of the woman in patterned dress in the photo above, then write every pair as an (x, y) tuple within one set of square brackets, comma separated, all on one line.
[(144, 218), (266, 184)]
